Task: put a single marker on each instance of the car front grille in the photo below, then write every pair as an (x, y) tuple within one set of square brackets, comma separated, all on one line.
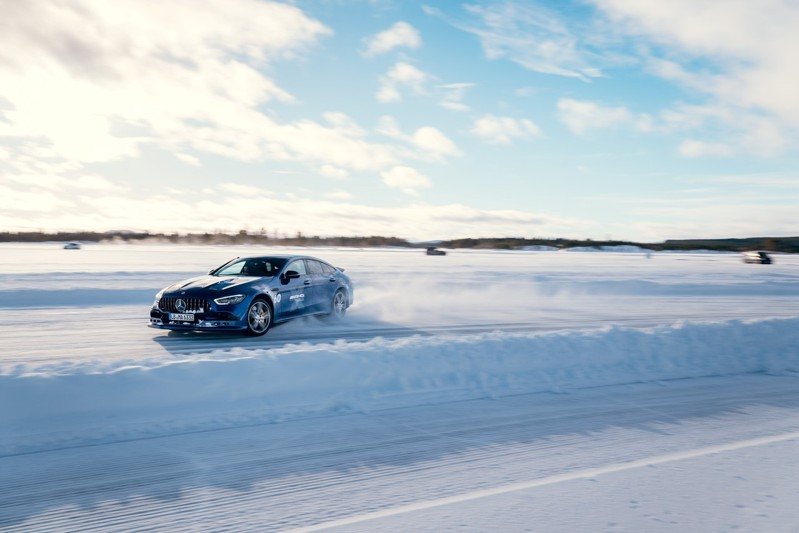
[(193, 305)]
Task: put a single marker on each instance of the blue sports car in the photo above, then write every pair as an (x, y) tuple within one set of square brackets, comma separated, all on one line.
[(250, 294)]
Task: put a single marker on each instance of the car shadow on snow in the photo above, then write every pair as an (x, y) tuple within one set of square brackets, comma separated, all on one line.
[(311, 330)]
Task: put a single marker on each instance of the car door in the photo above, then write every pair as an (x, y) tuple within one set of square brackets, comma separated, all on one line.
[(318, 300), (291, 299), (330, 283)]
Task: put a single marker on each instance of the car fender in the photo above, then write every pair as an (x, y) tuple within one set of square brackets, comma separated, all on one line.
[(267, 295), (348, 292)]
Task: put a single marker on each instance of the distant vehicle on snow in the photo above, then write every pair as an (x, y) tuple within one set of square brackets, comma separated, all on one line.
[(72, 246), (251, 294), (432, 250), (761, 258)]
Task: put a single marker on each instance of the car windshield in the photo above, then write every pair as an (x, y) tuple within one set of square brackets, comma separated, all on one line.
[(256, 266)]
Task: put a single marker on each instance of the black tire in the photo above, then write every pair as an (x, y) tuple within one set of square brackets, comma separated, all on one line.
[(338, 306), (259, 317)]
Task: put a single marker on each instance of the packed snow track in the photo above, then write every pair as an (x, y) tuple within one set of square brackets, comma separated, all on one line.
[(478, 391), (689, 455), (67, 307)]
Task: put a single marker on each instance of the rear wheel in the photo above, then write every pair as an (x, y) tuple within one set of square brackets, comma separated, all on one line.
[(338, 307), (259, 318), (339, 304)]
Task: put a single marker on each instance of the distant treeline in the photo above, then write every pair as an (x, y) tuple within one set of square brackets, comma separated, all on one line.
[(242, 237), (773, 244)]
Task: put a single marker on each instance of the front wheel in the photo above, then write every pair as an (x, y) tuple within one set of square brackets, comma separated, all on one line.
[(259, 318)]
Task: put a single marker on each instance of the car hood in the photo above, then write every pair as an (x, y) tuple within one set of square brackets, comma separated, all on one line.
[(213, 283)]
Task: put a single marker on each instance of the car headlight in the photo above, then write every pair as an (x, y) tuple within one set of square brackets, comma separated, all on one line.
[(157, 298), (229, 300)]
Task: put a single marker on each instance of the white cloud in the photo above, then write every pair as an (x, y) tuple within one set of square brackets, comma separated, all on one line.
[(188, 159), (760, 180), (738, 58), (581, 116), (338, 195), (745, 131), (399, 35), (453, 96), (695, 148), (238, 189), (401, 76), (344, 124), (529, 35), (746, 54), (92, 182), (54, 182), (329, 171), (504, 130), (754, 45), (306, 140), (29, 206), (526, 91), (118, 77), (712, 218), (434, 145), (22, 208), (76, 74), (388, 126), (407, 179)]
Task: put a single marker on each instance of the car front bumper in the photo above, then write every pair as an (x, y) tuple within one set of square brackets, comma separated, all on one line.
[(202, 322)]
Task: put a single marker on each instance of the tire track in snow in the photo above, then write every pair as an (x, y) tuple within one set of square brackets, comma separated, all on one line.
[(559, 478), (309, 473)]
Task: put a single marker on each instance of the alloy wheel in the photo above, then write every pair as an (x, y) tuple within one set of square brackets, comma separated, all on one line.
[(339, 304), (259, 317)]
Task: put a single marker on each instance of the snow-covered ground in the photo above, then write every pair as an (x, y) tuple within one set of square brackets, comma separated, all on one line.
[(479, 390)]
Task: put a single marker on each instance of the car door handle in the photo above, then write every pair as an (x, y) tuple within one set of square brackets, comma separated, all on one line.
[(332, 280), (306, 282)]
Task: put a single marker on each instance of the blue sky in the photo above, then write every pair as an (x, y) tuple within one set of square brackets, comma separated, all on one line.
[(622, 119)]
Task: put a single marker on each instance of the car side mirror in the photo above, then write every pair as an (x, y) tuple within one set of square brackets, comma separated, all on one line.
[(211, 271), (290, 274)]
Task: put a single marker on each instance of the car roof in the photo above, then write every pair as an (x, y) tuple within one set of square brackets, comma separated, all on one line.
[(282, 256)]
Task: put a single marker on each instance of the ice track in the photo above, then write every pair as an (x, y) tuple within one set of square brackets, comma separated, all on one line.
[(478, 391)]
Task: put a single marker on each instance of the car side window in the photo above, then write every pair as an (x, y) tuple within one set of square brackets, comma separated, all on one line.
[(298, 266), (327, 269), (314, 267)]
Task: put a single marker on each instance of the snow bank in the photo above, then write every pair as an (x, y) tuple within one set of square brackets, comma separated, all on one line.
[(700, 251), (538, 248), (43, 410), (619, 248)]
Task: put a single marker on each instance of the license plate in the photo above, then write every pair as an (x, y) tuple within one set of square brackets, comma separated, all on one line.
[(181, 317)]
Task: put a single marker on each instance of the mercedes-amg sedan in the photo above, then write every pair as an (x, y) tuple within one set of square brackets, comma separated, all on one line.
[(251, 294)]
